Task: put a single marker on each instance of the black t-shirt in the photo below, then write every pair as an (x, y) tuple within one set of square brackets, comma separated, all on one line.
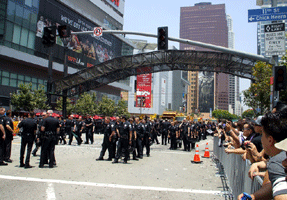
[(29, 126), (2, 123), (51, 124), (256, 140), (8, 121), (89, 122), (124, 128), (109, 128)]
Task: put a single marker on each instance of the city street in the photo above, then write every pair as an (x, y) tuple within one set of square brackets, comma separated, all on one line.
[(165, 174)]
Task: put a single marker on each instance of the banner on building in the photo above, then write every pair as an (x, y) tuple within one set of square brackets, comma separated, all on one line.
[(206, 91), (144, 92), (84, 50), (163, 91)]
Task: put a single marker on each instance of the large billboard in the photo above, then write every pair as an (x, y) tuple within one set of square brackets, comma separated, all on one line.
[(84, 50), (143, 93), (206, 91)]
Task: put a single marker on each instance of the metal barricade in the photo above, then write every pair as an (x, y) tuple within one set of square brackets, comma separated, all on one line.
[(236, 171)]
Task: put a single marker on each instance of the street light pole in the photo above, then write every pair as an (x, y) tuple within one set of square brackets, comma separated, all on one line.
[(65, 92), (50, 74)]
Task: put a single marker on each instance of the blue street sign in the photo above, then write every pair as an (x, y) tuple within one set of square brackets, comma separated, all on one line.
[(267, 14)]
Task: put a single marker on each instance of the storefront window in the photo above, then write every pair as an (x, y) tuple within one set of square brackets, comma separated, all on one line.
[(19, 14), (9, 31), (26, 18), (24, 37), (31, 40), (5, 81), (16, 34), (13, 83), (11, 10)]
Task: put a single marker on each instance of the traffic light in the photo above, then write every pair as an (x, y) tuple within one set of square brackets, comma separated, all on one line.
[(280, 78), (64, 31), (49, 36), (162, 38)]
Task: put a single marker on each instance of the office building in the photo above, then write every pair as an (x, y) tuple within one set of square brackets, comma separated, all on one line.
[(206, 23), (24, 59)]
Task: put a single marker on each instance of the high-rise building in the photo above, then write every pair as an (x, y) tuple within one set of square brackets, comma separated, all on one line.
[(260, 26), (233, 80), (24, 59), (206, 23)]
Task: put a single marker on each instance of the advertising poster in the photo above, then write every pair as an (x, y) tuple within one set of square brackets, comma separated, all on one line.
[(84, 50), (143, 93), (163, 91), (206, 91)]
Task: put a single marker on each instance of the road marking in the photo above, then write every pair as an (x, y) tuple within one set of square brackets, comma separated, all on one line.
[(213, 192), (50, 192)]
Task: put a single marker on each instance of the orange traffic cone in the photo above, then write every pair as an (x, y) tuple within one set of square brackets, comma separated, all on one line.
[(196, 158), (206, 153)]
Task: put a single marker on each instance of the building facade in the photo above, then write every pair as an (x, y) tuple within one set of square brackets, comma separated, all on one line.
[(157, 92), (206, 23), (234, 105), (24, 59)]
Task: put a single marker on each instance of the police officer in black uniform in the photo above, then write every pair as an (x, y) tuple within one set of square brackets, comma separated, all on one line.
[(109, 131), (173, 135), (147, 137), (78, 129), (89, 129), (62, 135), (125, 139), (50, 128), (184, 133), (165, 127), (140, 130), (29, 126), (2, 136), (70, 123), (9, 130), (39, 134), (155, 131)]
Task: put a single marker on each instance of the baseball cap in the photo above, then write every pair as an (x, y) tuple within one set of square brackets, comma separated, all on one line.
[(282, 145), (258, 121)]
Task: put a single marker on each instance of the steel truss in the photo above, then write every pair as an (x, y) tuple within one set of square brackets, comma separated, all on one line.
[(152, 62)]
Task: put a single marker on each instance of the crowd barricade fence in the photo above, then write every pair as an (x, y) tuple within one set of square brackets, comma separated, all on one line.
[(236, 171)]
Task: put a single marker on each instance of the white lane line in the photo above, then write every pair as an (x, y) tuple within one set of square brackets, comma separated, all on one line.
[(50, 192), (213, 192)]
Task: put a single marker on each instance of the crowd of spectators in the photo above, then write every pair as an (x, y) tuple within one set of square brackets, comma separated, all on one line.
[(263, 141)]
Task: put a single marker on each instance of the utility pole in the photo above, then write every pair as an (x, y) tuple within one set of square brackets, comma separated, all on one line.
[(275, 94), (50, 74)]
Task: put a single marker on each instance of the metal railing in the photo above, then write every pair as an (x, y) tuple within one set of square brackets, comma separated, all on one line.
[(235, 171)]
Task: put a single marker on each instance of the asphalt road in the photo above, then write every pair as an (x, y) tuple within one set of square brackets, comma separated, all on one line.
[(166, 174)]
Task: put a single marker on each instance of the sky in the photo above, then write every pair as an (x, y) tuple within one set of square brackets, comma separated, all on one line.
[(146, 16)]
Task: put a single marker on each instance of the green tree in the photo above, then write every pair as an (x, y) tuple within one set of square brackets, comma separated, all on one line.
[(223, 114), (86, 104), (24, 98), (41, 98), (122, 108), (106, 107), (70, 106), (248, 113), (258, 94)]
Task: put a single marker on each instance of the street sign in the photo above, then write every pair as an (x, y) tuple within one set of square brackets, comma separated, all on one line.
[(267, 14), (274, 39), (98, 31)]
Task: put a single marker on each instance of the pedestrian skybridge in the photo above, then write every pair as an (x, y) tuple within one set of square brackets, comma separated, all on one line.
[(152, 62)]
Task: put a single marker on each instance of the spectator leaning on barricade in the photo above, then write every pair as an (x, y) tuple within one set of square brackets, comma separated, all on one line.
[(274, 130), (247, 135)]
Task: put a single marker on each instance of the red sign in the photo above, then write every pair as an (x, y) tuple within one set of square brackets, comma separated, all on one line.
[(98, 31), (116, 2), (271, 80), (143, 93)]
